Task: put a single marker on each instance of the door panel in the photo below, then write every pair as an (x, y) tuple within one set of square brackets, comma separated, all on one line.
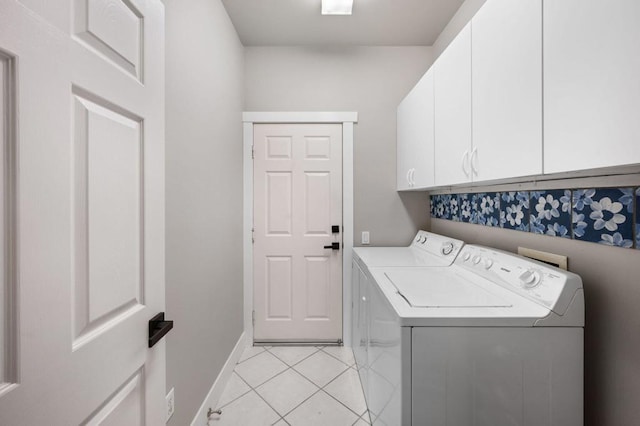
[(108, 205), (318, 287), (113, 28), (124, 407), (297, 198), (90, 212), (278, 192), (279, 287), (317, 210)]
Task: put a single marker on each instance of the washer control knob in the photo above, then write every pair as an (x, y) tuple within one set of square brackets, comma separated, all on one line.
[(488, 263), (466, 256), (447, 248), (529, 278), (476, 259)]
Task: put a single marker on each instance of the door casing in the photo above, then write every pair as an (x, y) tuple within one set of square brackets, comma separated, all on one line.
[(347, 119)]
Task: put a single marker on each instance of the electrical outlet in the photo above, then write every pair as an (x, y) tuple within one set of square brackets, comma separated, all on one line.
[(171, 404), (365, 237)]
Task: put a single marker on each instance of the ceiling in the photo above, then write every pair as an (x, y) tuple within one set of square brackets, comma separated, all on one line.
[(373, 23)]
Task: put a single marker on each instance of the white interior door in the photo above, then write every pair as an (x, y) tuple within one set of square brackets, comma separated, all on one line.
[(297, 200), (84, 198)]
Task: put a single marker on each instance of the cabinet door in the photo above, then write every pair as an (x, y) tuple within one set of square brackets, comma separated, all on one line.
[(507, 89), (403, 145), (591, 84), (453, 111), (416, 136)]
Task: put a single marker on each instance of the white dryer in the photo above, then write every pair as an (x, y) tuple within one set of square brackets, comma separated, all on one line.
[(426, 250), (495, 339)]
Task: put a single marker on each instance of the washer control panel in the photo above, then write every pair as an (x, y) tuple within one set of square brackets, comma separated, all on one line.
[(548, 286), (437, 245)]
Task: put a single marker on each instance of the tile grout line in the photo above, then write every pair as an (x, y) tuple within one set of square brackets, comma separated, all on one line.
[(335, 357), (306, 399), (341, 403), (291, 367), (335, 378), (260, 396), (252, 356), (321, 388)]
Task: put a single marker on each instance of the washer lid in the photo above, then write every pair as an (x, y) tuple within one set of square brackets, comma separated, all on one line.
[(442, 290)]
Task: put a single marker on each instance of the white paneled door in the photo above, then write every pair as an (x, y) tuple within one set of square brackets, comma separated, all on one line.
[(82, 95), (297, 202)]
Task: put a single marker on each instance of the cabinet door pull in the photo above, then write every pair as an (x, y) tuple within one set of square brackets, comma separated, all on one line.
[(474, 161), (409, 177), (465, 160), (413, 182)]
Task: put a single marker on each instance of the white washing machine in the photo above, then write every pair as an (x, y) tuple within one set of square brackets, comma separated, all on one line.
[(426, 250), (495, 339)]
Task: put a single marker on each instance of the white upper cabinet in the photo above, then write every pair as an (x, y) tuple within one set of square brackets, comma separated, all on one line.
[(591, 84), (453, 112), (507, 90), (416, 137)]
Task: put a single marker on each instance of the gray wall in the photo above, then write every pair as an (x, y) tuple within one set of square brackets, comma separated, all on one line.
[(369, 80), (457, 23), (205, 63)]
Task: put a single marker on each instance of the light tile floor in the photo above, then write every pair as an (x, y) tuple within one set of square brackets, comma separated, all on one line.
[(293, 385)]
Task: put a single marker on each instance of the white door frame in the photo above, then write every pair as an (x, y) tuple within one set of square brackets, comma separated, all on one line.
[(347, 119)]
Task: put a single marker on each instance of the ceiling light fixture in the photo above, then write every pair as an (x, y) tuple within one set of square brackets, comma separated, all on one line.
[(337, 7)]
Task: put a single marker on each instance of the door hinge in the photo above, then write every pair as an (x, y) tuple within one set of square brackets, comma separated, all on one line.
[(253, 153), (253, 235), (253, 318)]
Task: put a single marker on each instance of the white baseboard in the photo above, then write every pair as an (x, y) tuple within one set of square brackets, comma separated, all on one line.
[(221, 381)]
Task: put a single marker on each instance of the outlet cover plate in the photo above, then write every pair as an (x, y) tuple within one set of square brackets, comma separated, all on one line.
[(365, 237), (171, 403)]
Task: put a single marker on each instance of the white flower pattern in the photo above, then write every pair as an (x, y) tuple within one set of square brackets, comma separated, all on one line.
[(603, 215), (579, 225), (514, 214), (552, 215), (547, 207), (615, 240), (606, 214)]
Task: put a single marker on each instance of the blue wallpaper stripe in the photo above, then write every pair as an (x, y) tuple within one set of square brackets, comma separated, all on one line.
[(597, 215)]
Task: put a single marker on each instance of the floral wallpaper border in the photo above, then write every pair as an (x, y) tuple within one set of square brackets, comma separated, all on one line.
[(599, 215)]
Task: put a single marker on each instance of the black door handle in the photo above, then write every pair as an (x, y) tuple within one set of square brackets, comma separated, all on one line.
[(333, 246), (158, 327)]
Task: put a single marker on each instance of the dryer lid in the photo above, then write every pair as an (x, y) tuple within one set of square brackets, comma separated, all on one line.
[(442, 289)]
